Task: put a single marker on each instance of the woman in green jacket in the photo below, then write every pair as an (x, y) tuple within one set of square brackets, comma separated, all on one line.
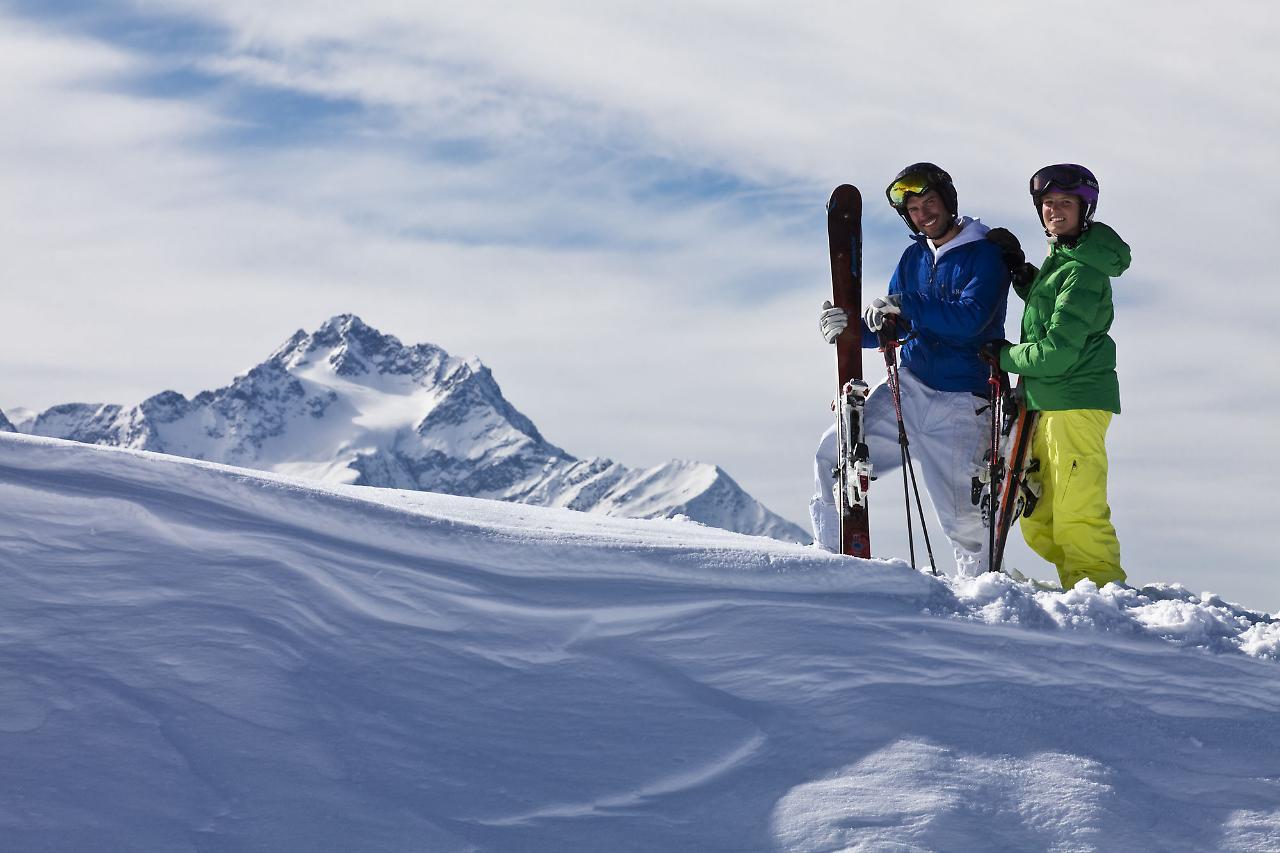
[(1067, 362)]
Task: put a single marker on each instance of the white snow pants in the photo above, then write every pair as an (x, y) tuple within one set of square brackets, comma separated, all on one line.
[(948, 431)]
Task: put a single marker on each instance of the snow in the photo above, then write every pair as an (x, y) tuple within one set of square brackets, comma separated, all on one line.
[(199, 657), (21, 418), (347, 404), (1168, 611)]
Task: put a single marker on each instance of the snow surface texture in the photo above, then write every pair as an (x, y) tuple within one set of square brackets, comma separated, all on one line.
[(200, 658), (348, 404)]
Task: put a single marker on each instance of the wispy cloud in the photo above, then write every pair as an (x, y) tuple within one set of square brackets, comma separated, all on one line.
[(618, 206)]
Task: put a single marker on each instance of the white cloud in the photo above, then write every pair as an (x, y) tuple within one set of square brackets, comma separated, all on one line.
[(489, 193)]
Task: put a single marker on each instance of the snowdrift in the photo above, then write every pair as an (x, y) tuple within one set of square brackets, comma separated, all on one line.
[(196, 657)]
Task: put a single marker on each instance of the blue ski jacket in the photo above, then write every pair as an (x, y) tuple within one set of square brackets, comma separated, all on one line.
[(954, 300)]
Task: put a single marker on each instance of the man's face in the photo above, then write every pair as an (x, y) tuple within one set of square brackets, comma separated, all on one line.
[(929, 214), (1061, 213)]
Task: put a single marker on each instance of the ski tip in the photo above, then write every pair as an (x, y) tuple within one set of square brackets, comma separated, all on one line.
[(844, 196)]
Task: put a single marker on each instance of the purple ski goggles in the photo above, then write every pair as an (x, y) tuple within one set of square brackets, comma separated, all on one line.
[(1067, 177)]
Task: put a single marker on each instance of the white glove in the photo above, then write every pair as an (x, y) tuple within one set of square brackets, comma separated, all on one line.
[(879, 308), (832, 321)]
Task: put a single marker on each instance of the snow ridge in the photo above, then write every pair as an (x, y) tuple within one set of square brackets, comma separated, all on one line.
[(1170, 612), (349, 404), (200, 657)]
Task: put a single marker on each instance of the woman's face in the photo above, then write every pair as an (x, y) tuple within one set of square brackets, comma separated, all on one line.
[(1061, 213)]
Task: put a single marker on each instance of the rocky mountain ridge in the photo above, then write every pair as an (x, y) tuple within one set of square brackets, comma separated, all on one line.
[(349, 404)]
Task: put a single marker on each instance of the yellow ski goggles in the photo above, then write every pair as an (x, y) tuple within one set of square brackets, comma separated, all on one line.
[(916, 183)]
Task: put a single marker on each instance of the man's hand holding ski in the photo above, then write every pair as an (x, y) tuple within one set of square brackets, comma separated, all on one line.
[(832, 322), (880, 311)]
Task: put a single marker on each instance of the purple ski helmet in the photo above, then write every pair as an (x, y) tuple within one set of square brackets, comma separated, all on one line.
[(1068, 178)]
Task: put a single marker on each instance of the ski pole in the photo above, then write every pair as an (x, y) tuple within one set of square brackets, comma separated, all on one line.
[(888, 345)]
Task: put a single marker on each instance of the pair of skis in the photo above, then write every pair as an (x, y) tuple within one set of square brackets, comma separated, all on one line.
[(853, 468), (1012, 424), (1004, 491)]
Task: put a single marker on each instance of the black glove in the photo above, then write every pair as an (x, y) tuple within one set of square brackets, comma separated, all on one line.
[(990, 351), (1024, 275), (1010, 248), (1021, 272)]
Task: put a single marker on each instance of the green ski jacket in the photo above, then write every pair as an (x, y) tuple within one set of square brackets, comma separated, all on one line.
[(1066, 358)]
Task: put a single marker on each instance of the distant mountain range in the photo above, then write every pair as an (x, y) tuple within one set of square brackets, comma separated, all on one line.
[(348, 404)]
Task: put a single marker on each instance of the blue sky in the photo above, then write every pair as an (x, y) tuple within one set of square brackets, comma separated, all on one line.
[(618, 207)]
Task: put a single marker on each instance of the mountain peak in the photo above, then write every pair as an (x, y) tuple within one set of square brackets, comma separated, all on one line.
[(345, 324), (351, 348), (349, 404)]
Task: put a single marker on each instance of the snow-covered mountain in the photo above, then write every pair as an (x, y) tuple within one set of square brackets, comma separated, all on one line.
[(5, 425), (348, 404), (201, 658)]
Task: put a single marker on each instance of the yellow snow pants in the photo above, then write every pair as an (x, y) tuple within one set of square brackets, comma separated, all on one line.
[(1071, 524)]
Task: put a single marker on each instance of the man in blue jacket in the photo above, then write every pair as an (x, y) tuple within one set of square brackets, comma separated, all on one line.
[(948, 293)]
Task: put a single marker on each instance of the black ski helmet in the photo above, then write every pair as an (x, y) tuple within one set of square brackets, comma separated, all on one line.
[(924, 177)]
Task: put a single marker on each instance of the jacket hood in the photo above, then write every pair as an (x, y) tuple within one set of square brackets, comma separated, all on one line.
[(971, 231), (1101, 248)]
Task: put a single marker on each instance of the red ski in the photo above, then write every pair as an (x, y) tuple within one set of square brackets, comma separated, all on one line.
[(853, 471), (1014, 496)]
